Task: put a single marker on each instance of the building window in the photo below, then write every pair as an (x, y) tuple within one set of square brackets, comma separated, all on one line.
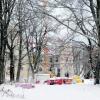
[(58, 72), (50, 59), (56, 59)]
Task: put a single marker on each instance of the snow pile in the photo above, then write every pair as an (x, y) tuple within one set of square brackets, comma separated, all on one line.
[(51, 92), (10, 91), (88, 81)]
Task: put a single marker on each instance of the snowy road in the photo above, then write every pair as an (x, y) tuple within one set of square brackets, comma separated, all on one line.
[(55, 92)]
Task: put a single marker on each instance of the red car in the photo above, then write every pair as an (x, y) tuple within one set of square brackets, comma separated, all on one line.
[(49, 82), (57, 80)]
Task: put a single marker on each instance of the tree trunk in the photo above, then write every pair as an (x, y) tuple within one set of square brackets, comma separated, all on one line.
[(20, 58), (1, 56), (20, 39), (97, 70), (29, 57), (5, 14), (11, 65)]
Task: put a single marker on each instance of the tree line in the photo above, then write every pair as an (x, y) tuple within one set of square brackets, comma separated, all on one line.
[(24, 25)]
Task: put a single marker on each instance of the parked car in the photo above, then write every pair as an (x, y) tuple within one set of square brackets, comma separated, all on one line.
[(49, 82), (58, 80), (69, 81)]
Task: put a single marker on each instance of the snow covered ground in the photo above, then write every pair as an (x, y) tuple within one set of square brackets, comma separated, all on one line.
[(51, 92)]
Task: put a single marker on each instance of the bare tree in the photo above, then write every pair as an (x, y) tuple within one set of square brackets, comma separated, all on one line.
[(85, 16), (6, 9), (11, 44)]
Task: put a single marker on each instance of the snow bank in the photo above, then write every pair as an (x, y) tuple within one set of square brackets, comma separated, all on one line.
[(54, 92)]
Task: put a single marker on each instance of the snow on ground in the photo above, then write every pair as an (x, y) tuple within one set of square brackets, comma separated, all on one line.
[(51, 92)]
